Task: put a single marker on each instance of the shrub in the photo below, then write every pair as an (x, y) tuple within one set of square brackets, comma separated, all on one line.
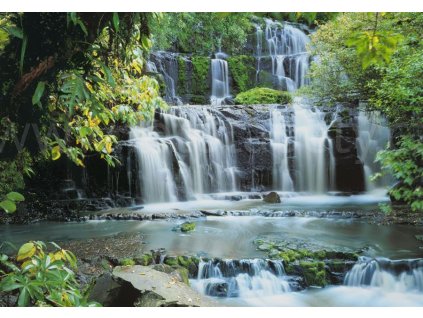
[(42, 278), (262, 95)]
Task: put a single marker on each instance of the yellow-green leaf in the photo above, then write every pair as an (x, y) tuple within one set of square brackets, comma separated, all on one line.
[(26, 251), (55, 153)]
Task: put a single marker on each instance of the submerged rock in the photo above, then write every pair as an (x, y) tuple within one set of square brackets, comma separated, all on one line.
[(272, 197)]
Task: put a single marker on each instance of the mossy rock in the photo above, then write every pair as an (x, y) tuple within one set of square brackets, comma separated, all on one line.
[(314, 273), (188, 227), (126, 262), (171, 261), (263, 95), (144, 260), (200, 75), (242, 70)]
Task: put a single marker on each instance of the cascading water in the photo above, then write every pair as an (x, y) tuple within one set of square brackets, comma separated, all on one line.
[(279, 143), (314, 161), (314, 158), (166, 63), (194, 155), (398, 276), (373, 136), (286, 46), (220, 80), (244, 278)]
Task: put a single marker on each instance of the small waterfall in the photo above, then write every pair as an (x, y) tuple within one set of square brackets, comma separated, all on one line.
[(166, 63), (220, 80), (194, 154), (243, 278), (287, 48), (314, 155), (279, 143), (373, 136), (399, 276), (155, 160)]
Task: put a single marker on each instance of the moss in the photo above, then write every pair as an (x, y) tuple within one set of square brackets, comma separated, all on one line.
[(200, 75), (127, 262), (144, 260), (289, 256), (183, 273), (182, 78), (188, 227), (243, 72), (171, 261), (261, 95), (314, 273)]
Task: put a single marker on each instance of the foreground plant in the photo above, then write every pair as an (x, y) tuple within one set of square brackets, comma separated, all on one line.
[(42, 278)]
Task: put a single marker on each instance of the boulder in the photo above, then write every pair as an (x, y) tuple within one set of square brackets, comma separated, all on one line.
[(158, 289), (272, 197)]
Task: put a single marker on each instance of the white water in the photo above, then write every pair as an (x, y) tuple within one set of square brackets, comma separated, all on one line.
[(314, 158), (279, 143), (373, 136), (195, 155), (396, 276), (244, 278), (220, 80), (287, 48)]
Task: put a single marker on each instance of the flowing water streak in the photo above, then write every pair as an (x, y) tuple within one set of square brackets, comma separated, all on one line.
[(398, 276), (243, 278), (167, 64), (314, 154), (279, 142), (373, 136), (220, 80), (194, 155)]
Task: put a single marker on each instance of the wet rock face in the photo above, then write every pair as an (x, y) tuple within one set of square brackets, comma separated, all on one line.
[(272, 197)]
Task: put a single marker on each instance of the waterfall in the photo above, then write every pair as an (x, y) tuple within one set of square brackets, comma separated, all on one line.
[(220, 80), (279, 142), (373, 136), (243, 278), (399, 276), (166, 63), (314, 155), (287, 48), (194, 154)]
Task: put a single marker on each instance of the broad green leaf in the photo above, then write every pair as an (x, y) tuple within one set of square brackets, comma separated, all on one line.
[(26, 251), (8, 206), (55, 153), (116, 21), (85, 131), (39, 91), (23, 299), (15, 196)]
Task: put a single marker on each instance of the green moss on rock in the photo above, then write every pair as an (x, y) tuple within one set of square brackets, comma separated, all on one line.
[(242, 70), (200, 75), (262, 95), (188, 227), (144, 260), (126, 262), (171, 261), (314, 273)]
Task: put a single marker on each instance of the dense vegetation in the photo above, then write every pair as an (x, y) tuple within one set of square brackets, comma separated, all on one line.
[(263, 95), (377, 58)]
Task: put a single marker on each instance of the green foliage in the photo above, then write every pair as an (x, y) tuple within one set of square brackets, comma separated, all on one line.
[(242, 69), (200, 83), (406, 164), (314, 273), (262, 95), (182, 76), (201, 32), (42, 278)]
